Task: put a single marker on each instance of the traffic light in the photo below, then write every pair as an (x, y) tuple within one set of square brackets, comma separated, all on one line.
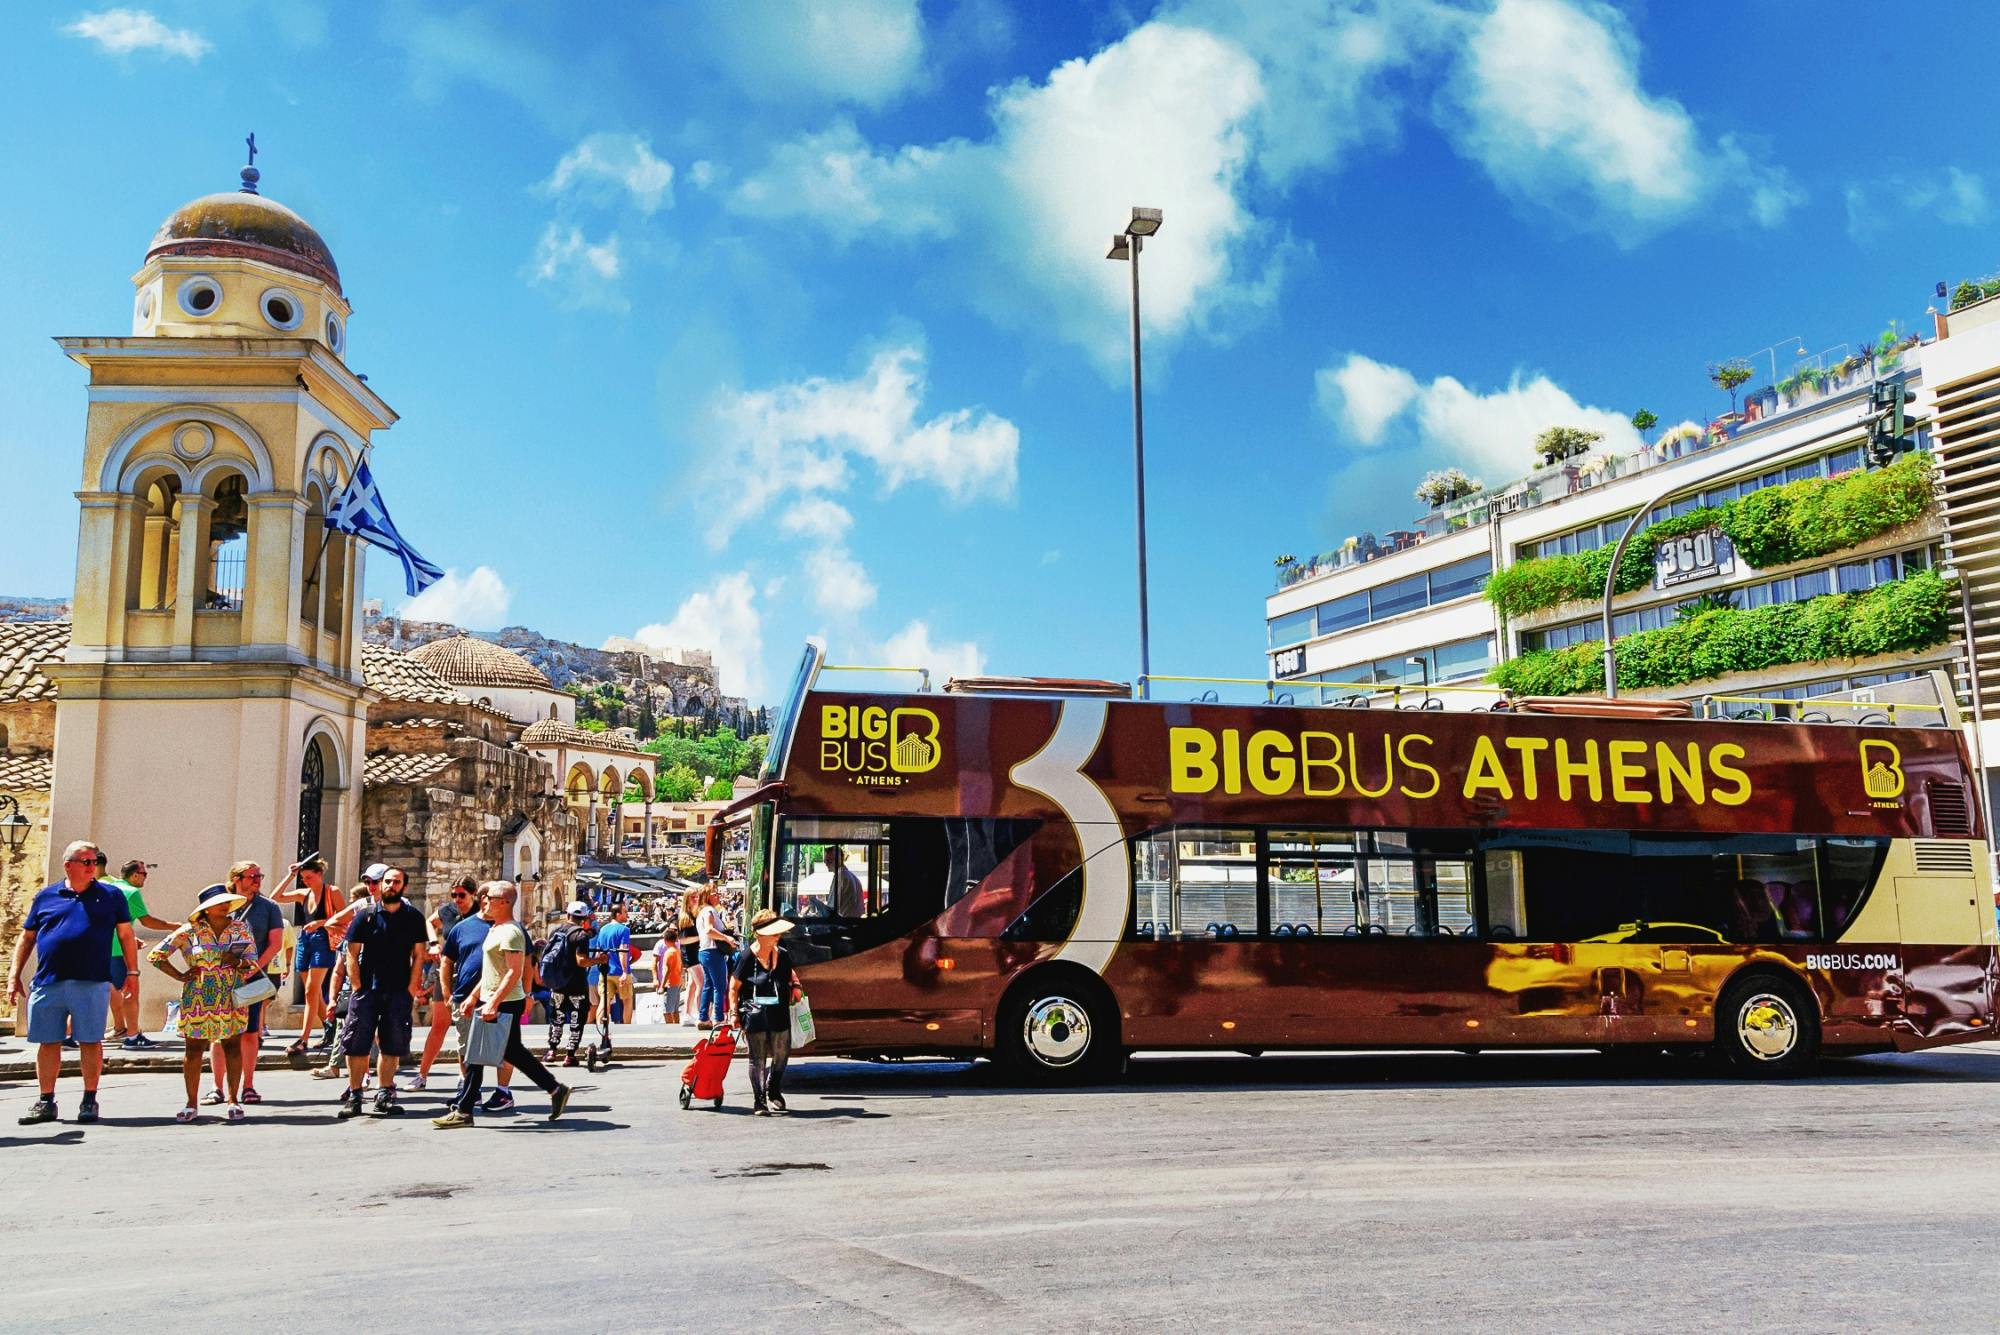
[(1888, 430)]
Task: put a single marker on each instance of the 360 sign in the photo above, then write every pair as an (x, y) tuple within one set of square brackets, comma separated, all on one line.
[(1691, 557)]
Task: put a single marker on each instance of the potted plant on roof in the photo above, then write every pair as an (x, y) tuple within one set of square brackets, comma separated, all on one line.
[(1729, 376), (1564, 442), (1443, 485), (1675, 436)]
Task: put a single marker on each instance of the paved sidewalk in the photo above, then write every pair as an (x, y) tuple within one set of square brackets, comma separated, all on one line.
[(629, 1043)]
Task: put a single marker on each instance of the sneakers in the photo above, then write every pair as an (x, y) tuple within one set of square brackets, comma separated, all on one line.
[(558, 1101), (328, 1073), (759, 1110), (778, 1104), (350, 1105), (500, 1100), (452, 1120), (570, 1060), (385, 1102), (138, 1043), (43, 1111), (412, 1081), (86, 1111)]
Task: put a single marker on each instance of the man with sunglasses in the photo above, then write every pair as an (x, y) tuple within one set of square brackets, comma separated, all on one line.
[(266, 922), (70, 927), (461, 901)]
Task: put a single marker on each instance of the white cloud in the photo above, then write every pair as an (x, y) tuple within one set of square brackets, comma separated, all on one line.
[(798, 438), (725, 621), (605, 163), (1492, 431), (478, 601), (1954, 196), (912, 646), (867, 52), (123, 31), (817, 517), (1545, 95), (584, 272), (840, 585), (839, 180), (1364, 393), (702, 173)]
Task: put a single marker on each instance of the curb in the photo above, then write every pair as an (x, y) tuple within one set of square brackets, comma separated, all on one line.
[(168, 1061)]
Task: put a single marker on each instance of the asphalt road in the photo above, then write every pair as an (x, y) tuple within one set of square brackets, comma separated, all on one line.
[(1489, 1193)]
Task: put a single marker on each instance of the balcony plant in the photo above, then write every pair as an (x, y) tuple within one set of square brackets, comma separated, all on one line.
[(1975, 289), (1644, 421), (1679, 433), (1729, 376), (1564, 442), (1444, 485)]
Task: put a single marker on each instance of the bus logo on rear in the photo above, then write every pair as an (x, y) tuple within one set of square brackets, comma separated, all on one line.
[(1881, 770), (876, 747)]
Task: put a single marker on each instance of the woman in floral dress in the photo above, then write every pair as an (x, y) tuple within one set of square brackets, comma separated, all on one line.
[(219, 955)]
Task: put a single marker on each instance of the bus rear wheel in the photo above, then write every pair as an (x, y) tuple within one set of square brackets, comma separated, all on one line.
[(1767, 1026), (1053, 1031)]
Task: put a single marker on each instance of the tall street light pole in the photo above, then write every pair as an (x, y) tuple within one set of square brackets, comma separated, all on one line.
[(1126, 245)]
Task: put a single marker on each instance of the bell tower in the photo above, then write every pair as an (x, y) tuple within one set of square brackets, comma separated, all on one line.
[(211, 707)]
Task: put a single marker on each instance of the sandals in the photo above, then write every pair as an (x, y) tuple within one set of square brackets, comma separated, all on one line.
[(297, 1049), (250, 1094), (213, 1097), (236, 1113), (186, 1115)]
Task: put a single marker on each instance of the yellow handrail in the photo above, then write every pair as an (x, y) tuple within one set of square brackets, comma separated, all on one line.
[(1822, 702)]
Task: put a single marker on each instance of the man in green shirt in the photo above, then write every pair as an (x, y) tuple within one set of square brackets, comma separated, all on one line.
[(131, 879)]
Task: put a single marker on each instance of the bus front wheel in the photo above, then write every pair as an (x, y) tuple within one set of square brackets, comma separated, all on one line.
[(1057, 1030), (1767, 1025)]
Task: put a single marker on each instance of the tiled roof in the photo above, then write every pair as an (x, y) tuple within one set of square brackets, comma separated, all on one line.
[(398, 676), (413, 768), (26, 773), (24, 647), (465, 661), (414, 723), (554, 732)]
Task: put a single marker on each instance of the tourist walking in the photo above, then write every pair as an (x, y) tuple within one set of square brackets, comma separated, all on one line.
[(266, 922), (762, 989), (313, 958), (716, 947), (613, 945), (340, 983), (566, 963), (667, 977), (461, 951), (386, 949), (459, 901), (69, 929), (687, 937), (126, 1029), (501, 998), (221, 952)]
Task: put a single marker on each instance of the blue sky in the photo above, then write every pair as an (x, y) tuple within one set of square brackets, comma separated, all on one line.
[(725, 324)]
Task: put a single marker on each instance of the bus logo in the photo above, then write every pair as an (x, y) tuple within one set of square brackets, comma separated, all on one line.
[(1881, 776), (876, 747)]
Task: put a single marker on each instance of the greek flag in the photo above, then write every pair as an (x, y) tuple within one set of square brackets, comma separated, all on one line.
[(359, 511)]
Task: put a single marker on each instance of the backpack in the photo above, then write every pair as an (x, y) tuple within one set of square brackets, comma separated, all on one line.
[(559, 960)]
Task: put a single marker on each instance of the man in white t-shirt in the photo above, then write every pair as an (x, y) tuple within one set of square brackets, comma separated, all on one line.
[(501, 997)]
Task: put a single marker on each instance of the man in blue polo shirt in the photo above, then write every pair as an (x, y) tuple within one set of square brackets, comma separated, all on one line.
[(70, 928)]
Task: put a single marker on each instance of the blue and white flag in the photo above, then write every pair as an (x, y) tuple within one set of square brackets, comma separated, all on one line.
[(360, 512)]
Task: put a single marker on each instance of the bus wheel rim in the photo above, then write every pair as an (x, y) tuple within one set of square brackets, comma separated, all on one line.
[(1767, 1026), (1056, 1031)]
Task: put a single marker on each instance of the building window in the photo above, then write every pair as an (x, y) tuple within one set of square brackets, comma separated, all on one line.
[(1403, 595), (1291, 628), (1460, 578), (159, 547), (281, 309), (1343, 613), (1465, 658), (312, 791), (199, 295)]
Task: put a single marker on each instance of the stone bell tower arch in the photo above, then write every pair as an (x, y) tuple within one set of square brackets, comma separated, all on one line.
[(213, 674)]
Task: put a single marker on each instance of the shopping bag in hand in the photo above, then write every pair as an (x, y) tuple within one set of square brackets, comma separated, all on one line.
[(802, 1021), (486, 1042)]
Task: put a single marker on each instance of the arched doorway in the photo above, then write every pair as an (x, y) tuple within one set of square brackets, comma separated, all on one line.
[(312, 797)]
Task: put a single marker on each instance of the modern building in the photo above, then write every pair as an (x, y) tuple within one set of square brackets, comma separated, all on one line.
[(1409, 608)]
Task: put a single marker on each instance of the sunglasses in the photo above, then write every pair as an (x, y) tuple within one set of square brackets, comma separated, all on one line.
[(460, 894)]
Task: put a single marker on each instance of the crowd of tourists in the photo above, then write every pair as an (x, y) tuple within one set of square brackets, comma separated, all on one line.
[(369, 963)]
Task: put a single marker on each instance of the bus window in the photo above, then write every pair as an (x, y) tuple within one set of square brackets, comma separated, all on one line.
[(1417, 885), (976, 846), (1312, 879), (1193, 882)]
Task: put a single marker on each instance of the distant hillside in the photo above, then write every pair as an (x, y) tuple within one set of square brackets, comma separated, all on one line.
[(15, 608)]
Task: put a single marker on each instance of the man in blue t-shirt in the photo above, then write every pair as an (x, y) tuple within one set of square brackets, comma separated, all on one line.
[(614, 941), (461, 950), (70, 928)]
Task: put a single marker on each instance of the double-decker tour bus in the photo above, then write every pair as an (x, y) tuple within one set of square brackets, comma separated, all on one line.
[(1053, 873)]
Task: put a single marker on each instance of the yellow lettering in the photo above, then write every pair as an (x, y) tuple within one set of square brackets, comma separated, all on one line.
[(1486, 771), (829, 755), (1232, 761), (1192, 754), (1271, 777), (1528, 746), (833, 721), (1671, 768), (1403, 754), (1354, 768), (1740, 793), (874, 723), (1624, 771), (1586, 768), (1308, 762)]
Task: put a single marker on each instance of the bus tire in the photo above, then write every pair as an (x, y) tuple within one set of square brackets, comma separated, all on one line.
[(1767, 1025), (1058, 1027)]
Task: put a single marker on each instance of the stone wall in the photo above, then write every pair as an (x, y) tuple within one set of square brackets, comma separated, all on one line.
[(23, 872)]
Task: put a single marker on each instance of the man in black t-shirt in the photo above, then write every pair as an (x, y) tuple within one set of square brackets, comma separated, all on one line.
[(386, 952), (567, 978)]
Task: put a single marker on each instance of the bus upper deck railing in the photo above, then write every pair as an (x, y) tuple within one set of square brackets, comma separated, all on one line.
[(1491, 699)]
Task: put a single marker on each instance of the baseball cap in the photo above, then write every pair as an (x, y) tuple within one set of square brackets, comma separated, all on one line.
[(579, 909), (375, 871)]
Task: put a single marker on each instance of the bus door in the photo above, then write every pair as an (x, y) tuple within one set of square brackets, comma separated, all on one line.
[(1195, 970), (1373, 936)]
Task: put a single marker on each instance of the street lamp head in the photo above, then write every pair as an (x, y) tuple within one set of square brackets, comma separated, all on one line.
[(1144, 222), (1121, 247)]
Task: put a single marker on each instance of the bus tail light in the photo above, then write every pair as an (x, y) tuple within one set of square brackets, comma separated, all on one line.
[(946, 962)]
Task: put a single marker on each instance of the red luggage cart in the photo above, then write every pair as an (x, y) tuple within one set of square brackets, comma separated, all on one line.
[(702, 1077)]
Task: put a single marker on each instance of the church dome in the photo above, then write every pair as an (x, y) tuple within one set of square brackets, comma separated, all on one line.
[(465, 661), (245, 225)]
